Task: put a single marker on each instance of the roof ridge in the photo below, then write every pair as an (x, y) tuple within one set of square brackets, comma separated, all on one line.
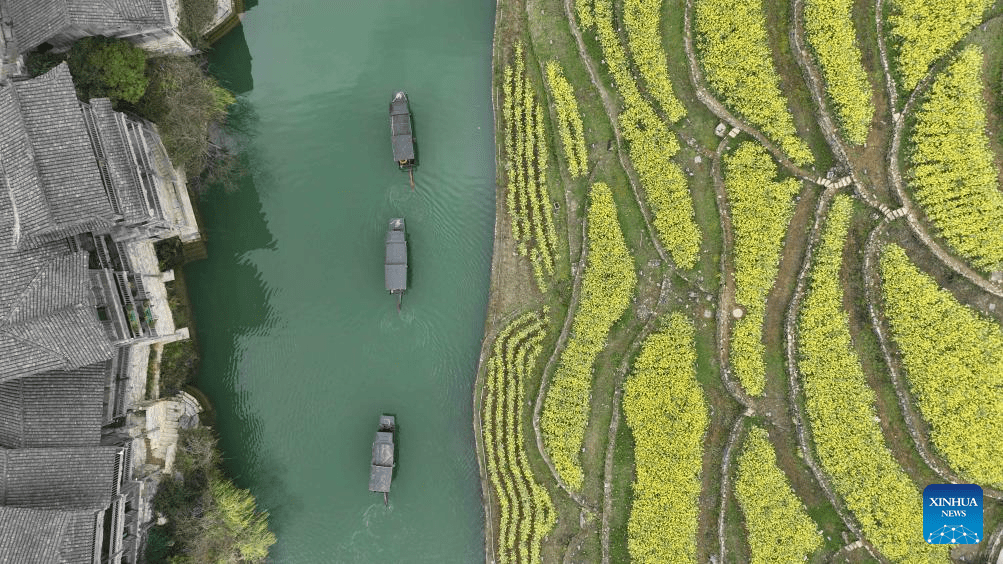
[(47, 267), (20, 382), (135, 15), (6, 475), (55, 353), (16, 302), (30, 148)]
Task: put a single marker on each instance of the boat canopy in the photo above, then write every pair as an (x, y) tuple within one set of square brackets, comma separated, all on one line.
[(395, 266), (382, 468), (400, 128)]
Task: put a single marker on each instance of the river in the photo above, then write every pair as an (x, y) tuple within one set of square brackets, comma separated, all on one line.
[(301, 347)]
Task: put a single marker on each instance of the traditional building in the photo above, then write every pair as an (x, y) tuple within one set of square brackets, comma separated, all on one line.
[(74, 167), (151, 24), (55, 409), (80, 177), (85, 192), (87, 484), (47, 535), (47, 316)]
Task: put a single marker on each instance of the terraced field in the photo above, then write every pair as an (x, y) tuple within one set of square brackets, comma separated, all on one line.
[(737, 220)]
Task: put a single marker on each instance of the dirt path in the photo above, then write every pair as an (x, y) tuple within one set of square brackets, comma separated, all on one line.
[(726, 457), (578, 269), (726, 296), (610, 106), (826, 124), (614, 427), (913, 421), (794, 374), (576, 544)]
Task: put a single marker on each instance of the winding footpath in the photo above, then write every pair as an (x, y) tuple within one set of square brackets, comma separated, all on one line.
[(726, 295), (826, 124), (726, 485), (558, 348), (794, 374), (614, 426)]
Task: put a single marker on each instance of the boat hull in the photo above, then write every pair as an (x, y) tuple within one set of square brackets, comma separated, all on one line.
[(402, 132)]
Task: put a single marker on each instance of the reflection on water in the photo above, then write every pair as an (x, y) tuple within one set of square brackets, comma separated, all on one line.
[(302, 347)]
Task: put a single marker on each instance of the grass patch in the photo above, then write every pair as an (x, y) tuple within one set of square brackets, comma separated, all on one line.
[(179, 365)]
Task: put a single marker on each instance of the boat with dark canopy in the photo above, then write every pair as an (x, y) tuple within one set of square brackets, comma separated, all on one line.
[(402, 134), (395, 265), (382, 468)]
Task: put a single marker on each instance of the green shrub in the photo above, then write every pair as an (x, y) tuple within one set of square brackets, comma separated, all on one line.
[(178, 364), (38, 63), (103, 67), (184, 102), (209, 519), (158, 545)]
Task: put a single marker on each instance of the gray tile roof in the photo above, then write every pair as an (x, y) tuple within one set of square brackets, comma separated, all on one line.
[(58, 478), (63, 151), (28, 535), (37, 21), (24, 188), (54, 409), (121, 166), (82, 537), (53, 185), (34, 536), (109, 15), (47, 317)]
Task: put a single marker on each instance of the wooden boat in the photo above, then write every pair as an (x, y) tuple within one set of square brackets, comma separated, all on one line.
[(402, 134), (382, 468), (395, 265)]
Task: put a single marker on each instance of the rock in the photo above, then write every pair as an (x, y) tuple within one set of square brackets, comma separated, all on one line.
[(697, 159), (708, 314), (737, 313)]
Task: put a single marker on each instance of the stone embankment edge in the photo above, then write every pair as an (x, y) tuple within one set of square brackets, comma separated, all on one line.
[(490, 326)]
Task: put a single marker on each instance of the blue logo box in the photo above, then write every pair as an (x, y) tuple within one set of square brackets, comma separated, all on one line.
[(952, 514)]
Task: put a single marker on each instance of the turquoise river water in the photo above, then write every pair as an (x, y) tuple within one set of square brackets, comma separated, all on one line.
[(302, 349)]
